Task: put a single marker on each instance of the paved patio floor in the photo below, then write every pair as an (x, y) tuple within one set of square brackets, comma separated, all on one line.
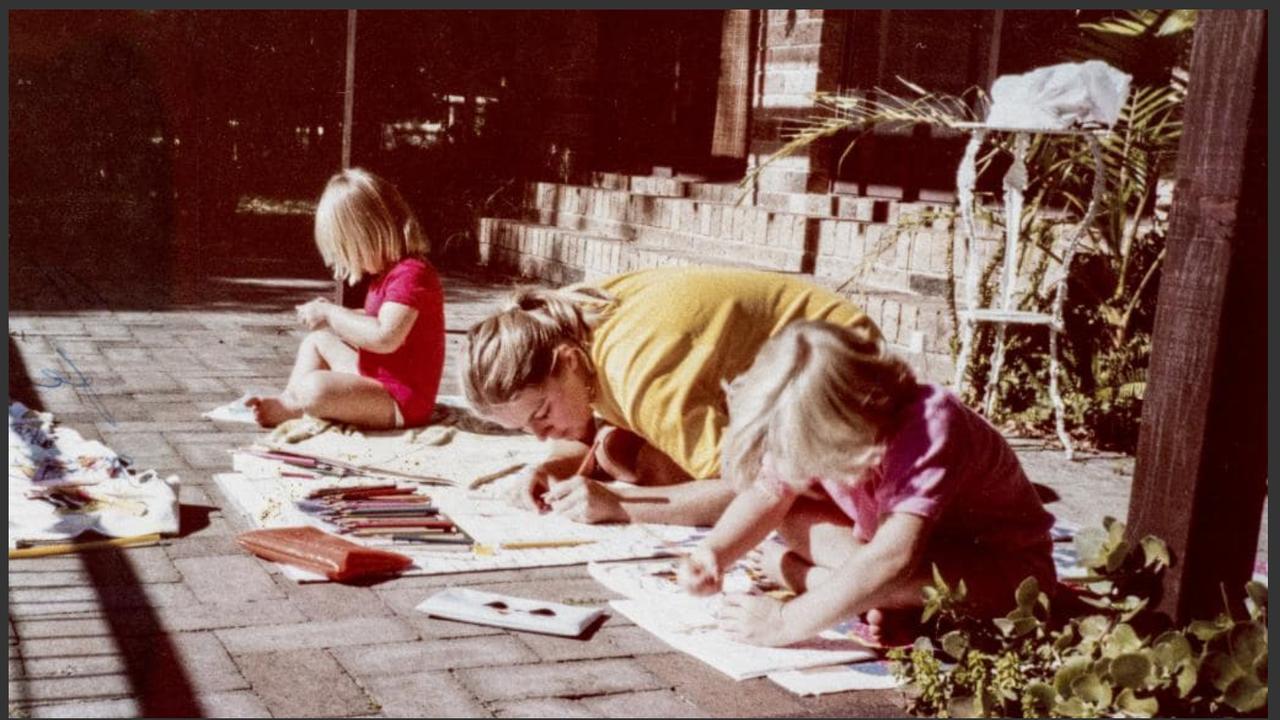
[(197, 626)]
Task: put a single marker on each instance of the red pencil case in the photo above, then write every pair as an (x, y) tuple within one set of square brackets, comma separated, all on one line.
[(313, 549)]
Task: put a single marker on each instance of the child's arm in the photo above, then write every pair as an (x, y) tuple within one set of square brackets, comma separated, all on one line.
[(883, 572), (749, 519), (382, 334)]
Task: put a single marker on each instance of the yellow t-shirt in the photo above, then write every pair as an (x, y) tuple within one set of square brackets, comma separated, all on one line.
[(675, 334)]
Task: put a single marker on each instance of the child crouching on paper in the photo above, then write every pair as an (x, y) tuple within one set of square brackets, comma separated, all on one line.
[(871, 479)]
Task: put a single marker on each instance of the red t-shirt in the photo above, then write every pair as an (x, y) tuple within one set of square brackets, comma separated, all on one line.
[(410, 373)]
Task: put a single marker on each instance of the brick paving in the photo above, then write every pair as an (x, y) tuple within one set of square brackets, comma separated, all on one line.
[(198, 627)]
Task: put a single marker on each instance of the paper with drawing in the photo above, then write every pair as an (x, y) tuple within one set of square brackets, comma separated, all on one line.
[(687, 623)]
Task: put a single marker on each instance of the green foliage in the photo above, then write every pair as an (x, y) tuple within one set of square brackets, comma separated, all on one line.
[(1114, 660)]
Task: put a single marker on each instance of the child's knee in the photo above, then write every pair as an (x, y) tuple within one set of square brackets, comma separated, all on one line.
[(309, 391)]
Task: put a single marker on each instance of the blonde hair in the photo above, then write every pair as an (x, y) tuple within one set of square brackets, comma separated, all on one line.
[(819, 400), (514, 349), (362, 222)]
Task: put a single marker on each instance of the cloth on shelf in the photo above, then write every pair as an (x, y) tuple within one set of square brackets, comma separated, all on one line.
[(1059, 97)]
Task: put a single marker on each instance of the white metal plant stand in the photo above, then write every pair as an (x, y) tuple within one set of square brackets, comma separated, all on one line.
[(1015, 183)]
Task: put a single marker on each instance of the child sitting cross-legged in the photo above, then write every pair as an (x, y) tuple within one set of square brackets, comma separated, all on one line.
[(871, 479), (378, 368)]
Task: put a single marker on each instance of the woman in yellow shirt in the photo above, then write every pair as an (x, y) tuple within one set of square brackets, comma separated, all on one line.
[(648, 352)]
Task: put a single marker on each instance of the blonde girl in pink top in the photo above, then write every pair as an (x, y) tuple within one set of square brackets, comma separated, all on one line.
[(871, 479), (378, 367)]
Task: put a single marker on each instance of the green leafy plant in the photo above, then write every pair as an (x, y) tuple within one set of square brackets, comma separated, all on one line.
[(1108, 656)]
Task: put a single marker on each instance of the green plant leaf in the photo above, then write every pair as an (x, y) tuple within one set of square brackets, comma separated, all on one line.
[(1065, 638), (1187, 678), (1068, 673), (1220, 670), (1248, 641), (1135, 706), (1155, 552), (1071, 707), (1114, 528), (1091, 689), (1171, 650), (1260, 667), (1131, 670), (1039, 698), (1257, 593), (1093, 627), (1245, 694), (1090, 546), (1206, 630), (938, 581), (1004, 625), (1122, 640), (1117, 555), (1028, 591), (955, 643)]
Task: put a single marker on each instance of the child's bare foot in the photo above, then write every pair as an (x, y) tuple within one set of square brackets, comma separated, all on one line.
[(890, 628), (271, 411)]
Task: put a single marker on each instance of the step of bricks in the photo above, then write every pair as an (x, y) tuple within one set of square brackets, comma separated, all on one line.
[(910, 257), (564, 256)]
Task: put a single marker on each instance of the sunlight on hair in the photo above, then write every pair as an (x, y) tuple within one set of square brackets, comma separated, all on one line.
[(818, 399)]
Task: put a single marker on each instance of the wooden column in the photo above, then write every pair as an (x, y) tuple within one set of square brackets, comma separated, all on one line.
[(347, 295), (1201, 475)]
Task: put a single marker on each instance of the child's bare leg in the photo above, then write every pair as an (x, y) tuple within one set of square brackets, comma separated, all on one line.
[(818, 536), (320, 350), (344, 397), (819, 539)]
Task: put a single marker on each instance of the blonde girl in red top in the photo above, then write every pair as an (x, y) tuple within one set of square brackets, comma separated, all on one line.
[(379, 367)]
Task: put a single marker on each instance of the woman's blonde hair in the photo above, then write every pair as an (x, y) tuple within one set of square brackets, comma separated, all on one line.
[(515, 348), (819, 400), (362, 222)]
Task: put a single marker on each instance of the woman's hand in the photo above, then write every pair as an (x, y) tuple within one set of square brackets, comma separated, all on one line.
[(315, 314), (699, 572), (754, 619), (526, 489), (586, 501)]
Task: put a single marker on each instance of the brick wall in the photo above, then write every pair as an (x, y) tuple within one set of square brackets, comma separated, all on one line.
[(800, 54)]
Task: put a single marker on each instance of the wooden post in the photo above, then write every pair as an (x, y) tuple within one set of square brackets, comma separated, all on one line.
[(349, 90), (1201, 474), (348, 296)]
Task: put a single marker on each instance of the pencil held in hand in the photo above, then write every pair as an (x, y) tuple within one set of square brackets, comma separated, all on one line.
[(699, 573)]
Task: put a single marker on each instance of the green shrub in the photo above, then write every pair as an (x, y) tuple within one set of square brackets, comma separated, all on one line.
[(1116, 659)]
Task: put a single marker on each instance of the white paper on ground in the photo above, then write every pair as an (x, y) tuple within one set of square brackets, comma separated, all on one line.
[(486, 608), (873, 675), (269, 502), (737, 660), (236, 411), (687, 623)]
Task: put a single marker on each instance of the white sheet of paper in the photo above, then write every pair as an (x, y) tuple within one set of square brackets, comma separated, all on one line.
[(509, 611), (737, 660), (874, 675), (657, 604), (236, 411)]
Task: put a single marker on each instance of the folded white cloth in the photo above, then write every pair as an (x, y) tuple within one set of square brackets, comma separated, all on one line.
[(1059, 97)]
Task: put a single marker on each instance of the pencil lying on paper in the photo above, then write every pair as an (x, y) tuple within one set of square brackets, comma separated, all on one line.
[(64, 548), (536, 544)]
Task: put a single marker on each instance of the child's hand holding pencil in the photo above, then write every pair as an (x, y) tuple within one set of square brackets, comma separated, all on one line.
[(698, 573)]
